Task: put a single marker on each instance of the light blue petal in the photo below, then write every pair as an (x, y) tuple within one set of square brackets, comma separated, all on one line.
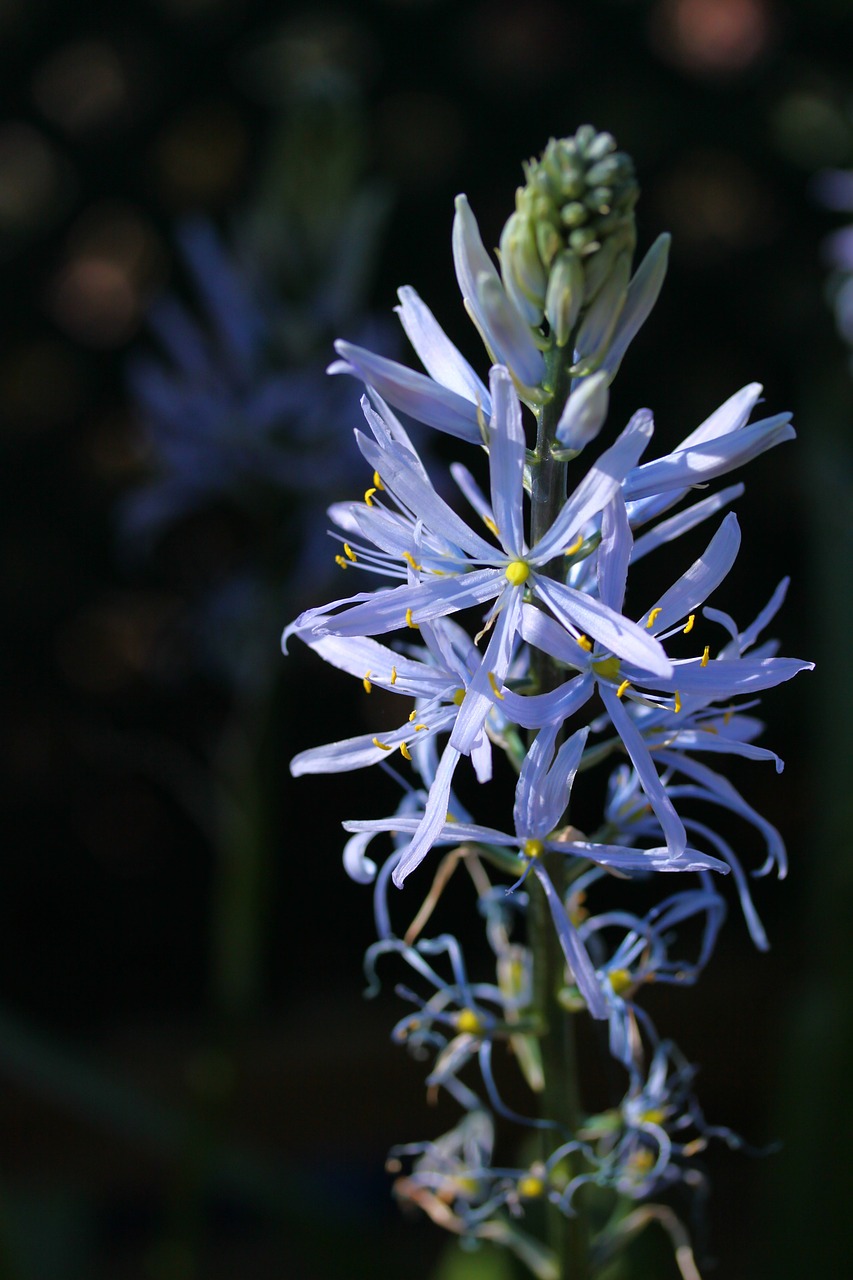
[(416, 493), (532, 711), (704, 576), (434, 818), (707, 461), (732, 415), (614, 553), (441, 359), (504, 330), (583, 970), (616, 634), (373, 613), (478, 699), (728, 678), (506, 462), (529, 788), (675, 526), (584, 412), (414, 393), (635, 745), (643, 293), (597, 487)]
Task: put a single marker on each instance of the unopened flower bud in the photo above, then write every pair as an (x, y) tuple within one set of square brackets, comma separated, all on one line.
[(565, 296), (584, 412), (521, 267)]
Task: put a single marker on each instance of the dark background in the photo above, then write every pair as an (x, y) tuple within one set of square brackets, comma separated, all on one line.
[(149, 1127)]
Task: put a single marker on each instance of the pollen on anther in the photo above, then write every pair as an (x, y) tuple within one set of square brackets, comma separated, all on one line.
[(585, 643), (705, 655), (517, 572), (677, 703), (654, 613), (576, 546), (383, 746), (626, 684), (688, 626), (393, 675), (349, 553), (368, 496), (377, 480), (410, 622), (410, 559), (494, 684), (366, 682), (491, 526), (405, 752), (339, 560)]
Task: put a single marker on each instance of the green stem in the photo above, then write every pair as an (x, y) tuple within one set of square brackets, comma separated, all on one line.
[(568, 1237)]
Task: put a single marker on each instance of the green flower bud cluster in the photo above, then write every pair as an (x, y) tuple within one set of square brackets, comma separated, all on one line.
[(572, 229)]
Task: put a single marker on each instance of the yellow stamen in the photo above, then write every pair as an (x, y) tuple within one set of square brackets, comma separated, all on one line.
[(368, 496), (468, 1022), (349, 553), (533, 848), (341, 561), (407, 556), (654, 1115), (576, 546), (607, 668), (458, 697), (620, 980), (377, 480), (677, 705), (366, 682), (404, 751), (689, 624), (393, 675), (409, 622), (727, 717), (517, 572), (626, 684), (420, 727), (495, 690), (530, 1187), (383, 746), (654, 613), (585, 643), (705, 656), (413, 716), (491, 526)]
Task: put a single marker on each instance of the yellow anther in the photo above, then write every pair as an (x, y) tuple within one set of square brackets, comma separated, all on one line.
[(413, 716), (368, 496), (404, 751), (530, 1187), (727, 716), (654, 1115), (491, 526), (366, 682), (585, 643), (677, 703), (419, 728), (626, 684), (383, 746), (620, 980), (393, 675), (468, 1022), (533, 848), (495, 690), (341, 561), (517, 572), (410, 622), (458, 697), (607, 668), (641, 1161), (654, 613), (407, 556), (349, 553), (705, 655), (688, 626), (576, 546), (377, 480)]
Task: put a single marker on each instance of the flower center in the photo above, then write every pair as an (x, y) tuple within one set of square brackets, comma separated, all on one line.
[(468, 1021), (533, 848), (517, 572)]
